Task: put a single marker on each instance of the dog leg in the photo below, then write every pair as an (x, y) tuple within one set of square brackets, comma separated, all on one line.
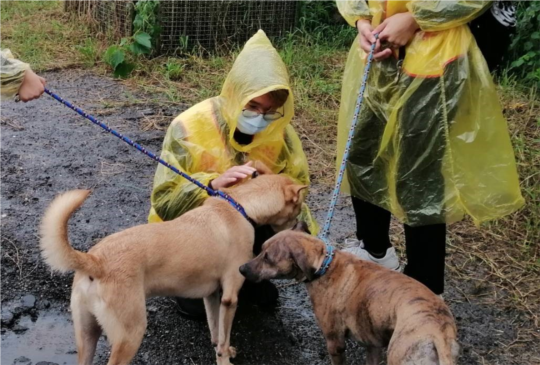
[(374, 356), (87, 330), (421, 352), (124, 322), (211, 304), (335, 343), (229, 302)]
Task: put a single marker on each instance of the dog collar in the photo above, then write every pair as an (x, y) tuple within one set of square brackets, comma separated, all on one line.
[(233, 203), (328, 257)]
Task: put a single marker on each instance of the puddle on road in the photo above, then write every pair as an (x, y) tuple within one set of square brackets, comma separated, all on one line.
[(50, 338)]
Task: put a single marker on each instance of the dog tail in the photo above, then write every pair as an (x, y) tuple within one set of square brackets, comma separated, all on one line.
[(448, 351), (55, 246)]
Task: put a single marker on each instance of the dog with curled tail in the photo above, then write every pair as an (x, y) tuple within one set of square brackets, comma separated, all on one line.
[(354, 298), (196, 255)]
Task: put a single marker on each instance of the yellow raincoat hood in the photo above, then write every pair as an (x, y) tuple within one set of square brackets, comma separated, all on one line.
[(258, 69), (200, 141)]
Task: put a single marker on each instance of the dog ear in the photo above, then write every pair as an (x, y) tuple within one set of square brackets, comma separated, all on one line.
[(301, 226), (261, 169), (292, 192), (300, 258)]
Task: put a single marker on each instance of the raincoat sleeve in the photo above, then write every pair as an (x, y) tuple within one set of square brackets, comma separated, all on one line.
[(297, 168), (11, 74), (172, 194), (437, 15), (353, 10)]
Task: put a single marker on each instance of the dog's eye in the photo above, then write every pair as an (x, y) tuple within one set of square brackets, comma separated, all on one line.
[(266, 259)]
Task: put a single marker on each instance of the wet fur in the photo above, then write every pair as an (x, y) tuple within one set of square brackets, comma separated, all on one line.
[(196, 255), (377, 307)]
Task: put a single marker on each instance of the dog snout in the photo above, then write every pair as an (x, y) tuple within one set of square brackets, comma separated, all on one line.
[(248, 273)]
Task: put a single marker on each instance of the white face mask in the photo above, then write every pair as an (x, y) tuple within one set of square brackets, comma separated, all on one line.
[(252, 125)]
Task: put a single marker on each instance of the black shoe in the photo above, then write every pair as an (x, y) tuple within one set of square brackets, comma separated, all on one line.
[(263, 294), (192, 309)]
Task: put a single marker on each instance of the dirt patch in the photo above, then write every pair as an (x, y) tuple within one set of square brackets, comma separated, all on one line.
[(47, 148)]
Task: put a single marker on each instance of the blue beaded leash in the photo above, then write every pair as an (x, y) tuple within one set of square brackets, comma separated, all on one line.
[(209, 190), (326, 229)]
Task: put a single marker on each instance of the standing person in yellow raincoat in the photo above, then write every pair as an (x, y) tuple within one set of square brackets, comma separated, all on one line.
[(431, 144), (216, 140)]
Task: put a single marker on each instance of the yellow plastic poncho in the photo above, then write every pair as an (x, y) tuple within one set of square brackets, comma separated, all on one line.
[(11, 73), (431, 144), (200, 140)]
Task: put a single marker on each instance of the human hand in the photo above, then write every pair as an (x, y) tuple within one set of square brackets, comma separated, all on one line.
[(367, 38), (32, 86), (232, 176), (397, 30)]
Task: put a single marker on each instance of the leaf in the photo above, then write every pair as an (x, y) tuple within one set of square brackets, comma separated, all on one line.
[(143, 39), (535, 35), (114, 56), (123, 70), (138, 50), (123, 42), (138, 22), (528, 46), (518, 62)]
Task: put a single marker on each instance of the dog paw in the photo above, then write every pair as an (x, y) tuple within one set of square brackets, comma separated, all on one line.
[(224, 362), (232, 352)]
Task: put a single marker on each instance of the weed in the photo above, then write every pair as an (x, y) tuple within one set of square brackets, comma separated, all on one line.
[(116, 56), (174, 69), (89, 52)]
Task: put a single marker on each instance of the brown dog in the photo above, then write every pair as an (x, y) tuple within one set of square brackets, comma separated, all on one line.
[(376, 306), (195, 256)]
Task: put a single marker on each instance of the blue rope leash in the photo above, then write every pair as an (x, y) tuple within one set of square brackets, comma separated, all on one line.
[(210, 191), (326, 229)]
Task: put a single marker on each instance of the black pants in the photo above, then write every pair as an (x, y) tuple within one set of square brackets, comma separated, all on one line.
[(425, 245)]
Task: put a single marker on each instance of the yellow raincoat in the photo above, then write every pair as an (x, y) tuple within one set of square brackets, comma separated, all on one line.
[(12, 73), (200, 140), (431, 143)]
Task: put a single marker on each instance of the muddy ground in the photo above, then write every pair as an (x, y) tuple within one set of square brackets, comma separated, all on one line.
[(47, 148)]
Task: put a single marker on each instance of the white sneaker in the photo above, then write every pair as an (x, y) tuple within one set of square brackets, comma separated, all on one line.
[(356, 247)]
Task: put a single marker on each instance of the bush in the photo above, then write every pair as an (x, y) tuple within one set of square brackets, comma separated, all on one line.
[(525, 48), (321, 22)]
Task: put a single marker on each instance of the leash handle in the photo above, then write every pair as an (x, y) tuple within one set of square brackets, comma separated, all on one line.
[(359, 101), (210, 191)]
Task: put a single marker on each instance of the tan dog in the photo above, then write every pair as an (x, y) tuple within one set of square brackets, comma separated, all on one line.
[(376, 306), (195, 256)]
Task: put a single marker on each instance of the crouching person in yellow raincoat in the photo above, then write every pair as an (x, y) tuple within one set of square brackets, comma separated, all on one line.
[(215, 140), (431, 144)]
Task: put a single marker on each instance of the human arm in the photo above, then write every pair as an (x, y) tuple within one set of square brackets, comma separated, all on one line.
[(172, 195), (353, 11), (17, 78), (437, 15)]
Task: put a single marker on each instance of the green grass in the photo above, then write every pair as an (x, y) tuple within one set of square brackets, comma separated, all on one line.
[(40, 33)]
